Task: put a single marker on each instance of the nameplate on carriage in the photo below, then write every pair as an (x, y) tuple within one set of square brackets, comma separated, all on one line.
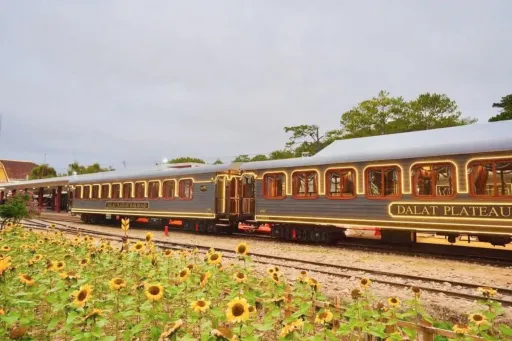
[(477, 211), (133, 205)]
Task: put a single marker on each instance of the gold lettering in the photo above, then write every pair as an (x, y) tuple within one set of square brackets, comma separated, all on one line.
[(482, 211), (493, 212), (447, 210), (434, 209), (464, 212), (502, 211), (425, 211), (409, 210), (473, 210), (400, 209)]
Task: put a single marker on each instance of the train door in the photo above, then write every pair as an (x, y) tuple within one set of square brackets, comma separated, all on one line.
[(220, 195), (248, 192)]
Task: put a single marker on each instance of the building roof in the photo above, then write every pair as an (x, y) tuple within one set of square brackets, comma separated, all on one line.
[(17, 170), (468, 139)]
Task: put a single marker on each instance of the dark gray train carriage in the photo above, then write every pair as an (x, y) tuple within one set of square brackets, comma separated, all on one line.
[(451, 181), (202, 198)]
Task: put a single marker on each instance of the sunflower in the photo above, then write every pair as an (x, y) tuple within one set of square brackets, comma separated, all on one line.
[(365, 283), (487, 292), (183, 275), (27, 279), (355, 293), (149, 237), (238, 310), (117, 283), (2, 312), (37, 258), (314, 284), (40, 242), (291, 327), (394, 302), (168, 253), (82, 296), (200, 306), (175, 326), (84, 261), (215, 258), (242, 249), (461, 329), (191, 266), (93, 314), (416, 291), (477, 319), (138, 247), (240, 277), (275, 278), (59, 265), (204, 279), (224, 334), (303, 276), (69, 275), (5, 263), (154, 292), (270, 271), (6, 248), (324, 317)]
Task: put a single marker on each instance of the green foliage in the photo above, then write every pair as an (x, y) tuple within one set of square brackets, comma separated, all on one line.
[(15, 208), (506, 113), (42, 171), (76, 168), (281, 154), (218, 162), (307, 139), (186, 159), (388, 115), (259, 157), (242, 158)]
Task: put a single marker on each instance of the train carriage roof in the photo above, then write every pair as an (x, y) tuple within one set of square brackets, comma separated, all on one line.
[(469, 139), (151, 174)]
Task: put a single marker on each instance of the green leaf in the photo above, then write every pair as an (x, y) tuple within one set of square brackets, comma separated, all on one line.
[(505, 330), (264, 327)]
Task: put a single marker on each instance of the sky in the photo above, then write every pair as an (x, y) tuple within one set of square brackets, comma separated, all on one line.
[(137, 81)]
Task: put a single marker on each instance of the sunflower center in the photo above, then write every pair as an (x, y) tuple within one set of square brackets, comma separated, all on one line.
[(242, 248), (323, 315), (477, 318), (118, 281), (240, 275), (154, 290), (238, 310), (138, 246), (84, 261), (214, 256), (183, 273), (168, 252), (27, 277), (201, 303), (82, 295), (394, 300), (364, 282)]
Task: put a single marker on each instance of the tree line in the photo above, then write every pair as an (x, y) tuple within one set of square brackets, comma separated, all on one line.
[(379, 115)]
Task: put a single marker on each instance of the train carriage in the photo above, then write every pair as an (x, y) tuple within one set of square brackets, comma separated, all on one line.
[(451, 181)]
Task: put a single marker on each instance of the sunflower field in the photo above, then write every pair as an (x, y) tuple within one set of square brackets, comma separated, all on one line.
[(58, 288)]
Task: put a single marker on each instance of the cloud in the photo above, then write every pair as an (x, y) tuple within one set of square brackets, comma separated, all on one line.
[(110, 81)]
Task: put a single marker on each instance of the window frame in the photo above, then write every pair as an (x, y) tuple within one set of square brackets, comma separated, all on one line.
[(130, 195), (316, 184), (109, 187), (158, 189), (88, 197), (120, 190), (78, 195), (382, 197), (455, 180), (144, 192), (281, 197), (93, 197), (471, 164), (328, 172), (162, 194), (181, 189)]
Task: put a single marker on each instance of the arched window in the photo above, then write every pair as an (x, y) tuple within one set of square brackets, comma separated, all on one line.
[(340, 183)]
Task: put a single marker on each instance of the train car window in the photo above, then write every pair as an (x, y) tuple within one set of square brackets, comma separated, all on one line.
[(383, 182), (434, 180), (491, 178), (116, 191), (168, 189), (305, 185), (340, 183), (186, 189), (104, 191), (127, 190), (274, 186), (140, 189), (87, 192), (154, 189), (78, 192), (95, 191)]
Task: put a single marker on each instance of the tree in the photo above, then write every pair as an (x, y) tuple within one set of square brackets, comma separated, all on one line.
[(76, 168), (218, 162), (42, 171), (281, 154), (430, 111), (242, 158), (17, 207), (186, 159), (506, 113), (259, 157), (388, 115), (307, 139)]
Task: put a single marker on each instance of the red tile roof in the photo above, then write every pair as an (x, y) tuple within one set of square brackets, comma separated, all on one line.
[(17, 170)]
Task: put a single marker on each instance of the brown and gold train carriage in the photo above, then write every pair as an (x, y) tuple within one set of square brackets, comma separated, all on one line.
[(451, 181)]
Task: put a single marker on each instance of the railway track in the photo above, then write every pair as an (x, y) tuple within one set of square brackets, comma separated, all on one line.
[(461, 290), (495, 256)]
